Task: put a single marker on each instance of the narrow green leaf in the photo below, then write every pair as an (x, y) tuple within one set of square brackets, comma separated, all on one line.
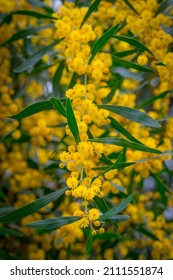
[(24, 33), (101, 204), (58, 106), (2, 194), (107, 236), (116, 86), (39, 3), (105, 159), (128, 64), (73, 80), (118, 187), (124, 53), (129, 74), (115, 124), (89, 134), (33, 59), (50, 224), (154, 98), (119, 166), (71, 120), (160, 64), (131, 6), (31, 207), (163, 6), (133, 42), (32, 109), (115, 165), (118, 218), (89, 245), (101, 42), (118, 141), (57, 77), (123, 158), (41, 67), (119, 158), (117, 209), (6, 232), (161, 185), (91, 9), (132, 114), (7, 19), (32, 14), (5, 210), (145, 231)]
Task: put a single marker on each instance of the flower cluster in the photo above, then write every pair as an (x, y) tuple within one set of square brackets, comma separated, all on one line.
[(38, 153)]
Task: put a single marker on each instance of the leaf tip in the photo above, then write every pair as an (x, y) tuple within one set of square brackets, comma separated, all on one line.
[(13, 117)]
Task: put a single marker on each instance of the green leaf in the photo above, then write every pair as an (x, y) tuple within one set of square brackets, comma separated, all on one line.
[(119, 158), (160, 64), (2, 194), (6, 232), (119, 166), (33, 59), (24, 33), (116, 209), (163, 6), (101, 204), (118, 218), (71, 120), (101, 42), (32, 14), (128, 64), (118, 141), (132, 114), (105, 159), (124, 53), (5, 210), (32, 109), (91, 9), (57, 77), (116, 86), (58, 106), (115, 165), (115, 124), (145, 231), (161, 185), (131, 6), (154, 98), (89, 245), (118, 187), (31, 207), (50, 224), (73, 80), (133, 42), (39, 3), (107, 236), (8, 18)]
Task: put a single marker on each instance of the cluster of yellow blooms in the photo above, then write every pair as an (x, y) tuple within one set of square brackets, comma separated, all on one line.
[(39, 153)]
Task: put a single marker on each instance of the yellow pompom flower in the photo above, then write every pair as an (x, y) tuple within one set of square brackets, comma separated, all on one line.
[(142, 59), (16, 134), (94, 214), (72, 182), (84, 222)]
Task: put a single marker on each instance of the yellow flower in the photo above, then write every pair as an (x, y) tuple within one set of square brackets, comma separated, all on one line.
[(142, 59), (94, 214), (16, 134), (72, 182), (84, 222)]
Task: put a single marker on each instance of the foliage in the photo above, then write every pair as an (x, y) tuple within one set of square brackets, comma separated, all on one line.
[(87, 126)]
